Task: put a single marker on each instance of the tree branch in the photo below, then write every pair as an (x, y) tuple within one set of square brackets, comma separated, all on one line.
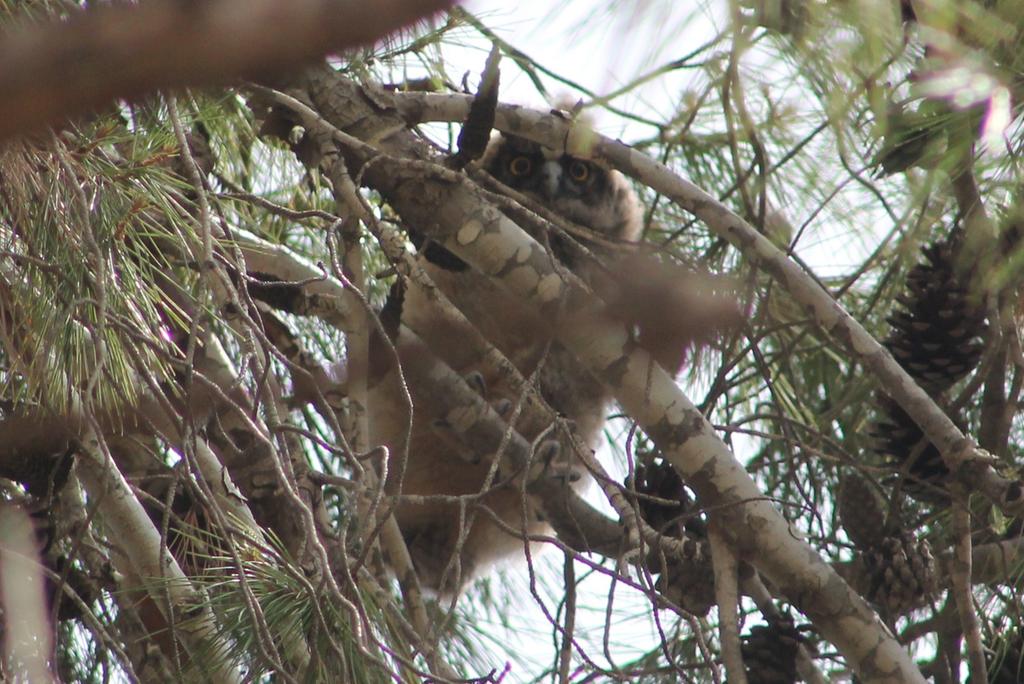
[(62, 68), (140, 547)]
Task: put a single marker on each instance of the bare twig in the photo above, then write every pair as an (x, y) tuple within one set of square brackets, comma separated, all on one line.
[(727, 596), (960, 579)]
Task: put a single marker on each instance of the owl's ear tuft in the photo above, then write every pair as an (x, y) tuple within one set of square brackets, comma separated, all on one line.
[(581, 132), (567, 106)]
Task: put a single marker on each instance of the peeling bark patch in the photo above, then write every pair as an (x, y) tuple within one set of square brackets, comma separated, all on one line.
[(526, 275), (469, 232), (549, 288), (879, 665), (693, 425), (846, 338), (743, 239), (704, 483), (671, 435), (835, 593)]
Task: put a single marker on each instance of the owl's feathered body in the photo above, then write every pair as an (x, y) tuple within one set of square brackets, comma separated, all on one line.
[(583, 192)]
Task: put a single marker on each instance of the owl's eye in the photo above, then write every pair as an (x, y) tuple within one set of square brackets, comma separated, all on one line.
[(579, 171), (520, 166)]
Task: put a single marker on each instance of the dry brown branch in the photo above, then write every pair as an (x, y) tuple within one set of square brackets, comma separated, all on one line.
[(54, 70)]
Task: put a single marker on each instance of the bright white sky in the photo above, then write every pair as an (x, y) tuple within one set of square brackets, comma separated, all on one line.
[(600, 49)]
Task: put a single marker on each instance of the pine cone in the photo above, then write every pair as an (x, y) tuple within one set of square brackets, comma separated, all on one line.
[(937, 334), (902, 572), (862, 511), (899, 439), (688, 583), (659, 479), (769, 652)]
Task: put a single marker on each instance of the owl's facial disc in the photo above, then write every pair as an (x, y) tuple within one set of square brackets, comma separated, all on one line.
[(578, 189)]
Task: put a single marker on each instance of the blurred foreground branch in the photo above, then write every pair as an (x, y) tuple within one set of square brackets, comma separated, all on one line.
[(53, 70)]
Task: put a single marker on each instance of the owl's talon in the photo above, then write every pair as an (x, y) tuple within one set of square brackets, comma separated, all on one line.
[(503, 407), (476, 380), (450, 436), (548, 451)]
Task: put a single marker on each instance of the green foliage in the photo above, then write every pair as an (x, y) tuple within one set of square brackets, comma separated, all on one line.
[(77, 221)]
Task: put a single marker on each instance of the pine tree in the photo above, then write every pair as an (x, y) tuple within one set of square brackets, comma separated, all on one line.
[(815, 353)]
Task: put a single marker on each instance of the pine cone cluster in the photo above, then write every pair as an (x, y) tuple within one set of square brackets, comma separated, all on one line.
[(689, 583), (937, 336), (660, 480), (902, 573), (769, 652), (900, 570)]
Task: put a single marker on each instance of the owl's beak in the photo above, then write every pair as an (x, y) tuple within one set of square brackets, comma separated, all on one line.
[(550, 179)]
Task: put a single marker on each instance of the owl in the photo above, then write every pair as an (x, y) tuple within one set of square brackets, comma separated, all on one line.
[(448, 551)]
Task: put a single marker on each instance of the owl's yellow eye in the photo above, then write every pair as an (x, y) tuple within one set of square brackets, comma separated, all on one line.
[(520, 166), (579, 171)]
